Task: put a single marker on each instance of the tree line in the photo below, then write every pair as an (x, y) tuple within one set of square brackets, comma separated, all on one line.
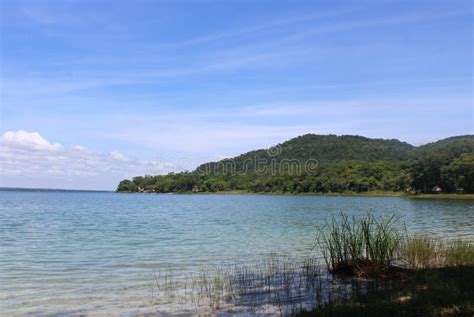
[(385, 165)]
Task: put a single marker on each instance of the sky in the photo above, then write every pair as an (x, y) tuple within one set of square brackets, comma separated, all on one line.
[(96, 91)]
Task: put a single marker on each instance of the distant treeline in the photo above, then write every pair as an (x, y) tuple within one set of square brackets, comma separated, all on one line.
[(329, 164)]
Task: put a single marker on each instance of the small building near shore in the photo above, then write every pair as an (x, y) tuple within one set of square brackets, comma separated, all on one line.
[(436, 189)]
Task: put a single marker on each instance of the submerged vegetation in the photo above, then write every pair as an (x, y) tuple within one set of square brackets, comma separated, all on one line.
[(373, 267), (329, 164), (275, 285)]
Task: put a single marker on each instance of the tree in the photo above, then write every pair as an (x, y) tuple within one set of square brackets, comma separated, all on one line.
[(459, 175), (127, 186)]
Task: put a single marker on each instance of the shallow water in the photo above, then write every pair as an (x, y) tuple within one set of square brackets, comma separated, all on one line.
[(85, 252)]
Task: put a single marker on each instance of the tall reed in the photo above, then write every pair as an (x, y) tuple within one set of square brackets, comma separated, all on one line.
[(421, 251), (351, 242), (460, 253)]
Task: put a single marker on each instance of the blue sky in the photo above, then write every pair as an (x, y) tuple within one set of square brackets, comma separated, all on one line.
[(95, 91)]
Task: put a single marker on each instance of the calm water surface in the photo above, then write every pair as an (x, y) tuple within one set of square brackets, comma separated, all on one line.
[(77, 252)]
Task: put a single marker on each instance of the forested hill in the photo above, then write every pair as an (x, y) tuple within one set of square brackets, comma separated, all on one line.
[(448, 163), (447, 148), (330, 163), (323, 148)]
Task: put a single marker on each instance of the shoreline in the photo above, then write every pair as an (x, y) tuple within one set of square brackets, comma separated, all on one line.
[(348, 194)]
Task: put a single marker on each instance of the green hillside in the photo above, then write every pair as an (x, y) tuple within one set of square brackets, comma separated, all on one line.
[(329, 164), (323, 148), (446, 149), (434, 164)]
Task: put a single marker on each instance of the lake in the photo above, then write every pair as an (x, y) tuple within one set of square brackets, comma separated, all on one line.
[(91, 252)]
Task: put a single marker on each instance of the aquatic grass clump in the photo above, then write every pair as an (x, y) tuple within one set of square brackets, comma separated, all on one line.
[(382, 239), (350, 244), (421, 252), (459, 253)]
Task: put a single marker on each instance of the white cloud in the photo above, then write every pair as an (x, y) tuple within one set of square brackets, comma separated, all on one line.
[(116, 155), (28, 154), (29, 157), (78, 148), (28, 141)]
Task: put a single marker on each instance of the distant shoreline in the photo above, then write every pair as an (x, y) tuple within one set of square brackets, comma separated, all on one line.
[(23, 189), (243, 192), (370, 194), (364, 194)]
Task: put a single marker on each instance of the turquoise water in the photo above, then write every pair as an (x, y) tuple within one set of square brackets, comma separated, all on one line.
[(85, 252)]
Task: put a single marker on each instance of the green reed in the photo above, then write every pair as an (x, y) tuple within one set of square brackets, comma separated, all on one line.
[(423, 252), (459, 253), (353, 242)]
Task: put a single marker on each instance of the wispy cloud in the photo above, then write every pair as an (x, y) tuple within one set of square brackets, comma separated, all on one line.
[(363, 107), (417, 119), (415, 16), (48, 17), (266, 26), (282, 50)]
